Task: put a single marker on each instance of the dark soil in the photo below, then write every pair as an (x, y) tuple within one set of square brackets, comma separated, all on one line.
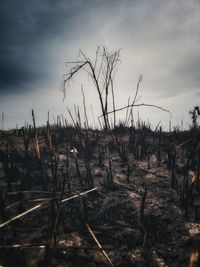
[(137, 215)]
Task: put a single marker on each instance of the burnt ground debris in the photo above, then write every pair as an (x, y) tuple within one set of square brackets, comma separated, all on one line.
[(145, 210)]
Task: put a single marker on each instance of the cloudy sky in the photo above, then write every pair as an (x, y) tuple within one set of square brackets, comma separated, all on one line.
[(158, 39)]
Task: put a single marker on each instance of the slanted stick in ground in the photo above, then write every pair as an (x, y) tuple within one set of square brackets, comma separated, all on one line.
[(22, 214), (42, 204), (78, 195), (99, 245)]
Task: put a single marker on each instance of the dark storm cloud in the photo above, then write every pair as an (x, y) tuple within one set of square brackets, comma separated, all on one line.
[(29, 27), (13, 76), (26, 29)]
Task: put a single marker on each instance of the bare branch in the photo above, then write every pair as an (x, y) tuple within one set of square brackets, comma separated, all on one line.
[(106, 71), (84, 56), (96, 58), (69, 76), (134, 100), (44, 203), (138, 105)]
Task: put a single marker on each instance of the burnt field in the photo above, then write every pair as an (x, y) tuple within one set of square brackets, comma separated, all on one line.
[(80, 197)]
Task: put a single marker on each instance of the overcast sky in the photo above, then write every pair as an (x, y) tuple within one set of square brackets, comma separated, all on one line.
[(158, 39)]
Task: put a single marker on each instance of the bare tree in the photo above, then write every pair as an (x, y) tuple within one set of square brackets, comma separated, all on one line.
[(102, 71)]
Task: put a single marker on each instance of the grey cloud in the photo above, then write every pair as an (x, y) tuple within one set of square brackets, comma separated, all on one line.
[(30, 27), (27, 28), (159, 39), (189, 70)]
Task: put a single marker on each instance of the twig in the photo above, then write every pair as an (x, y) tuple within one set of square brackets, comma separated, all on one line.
[(60, 245), (127, 112), (137, 105), (26, 201), (79, 195), (113, 99), (134, 100), (93, 116), (185, 142), (86, 118), (42, 204), (99, 245), (22, 214), (141, 216), (22, 246)]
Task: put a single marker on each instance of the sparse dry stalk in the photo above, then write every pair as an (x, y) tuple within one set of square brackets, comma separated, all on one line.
[(85, 149), (149, 161), (26, 138), (99, 245), (113, 100), (37, 151), (141, 216), (54, 169), (78, 170), (3, 213), (128, 173), (110, 174), (85, 112), (36, 144), (104, 71), (159, 147)]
